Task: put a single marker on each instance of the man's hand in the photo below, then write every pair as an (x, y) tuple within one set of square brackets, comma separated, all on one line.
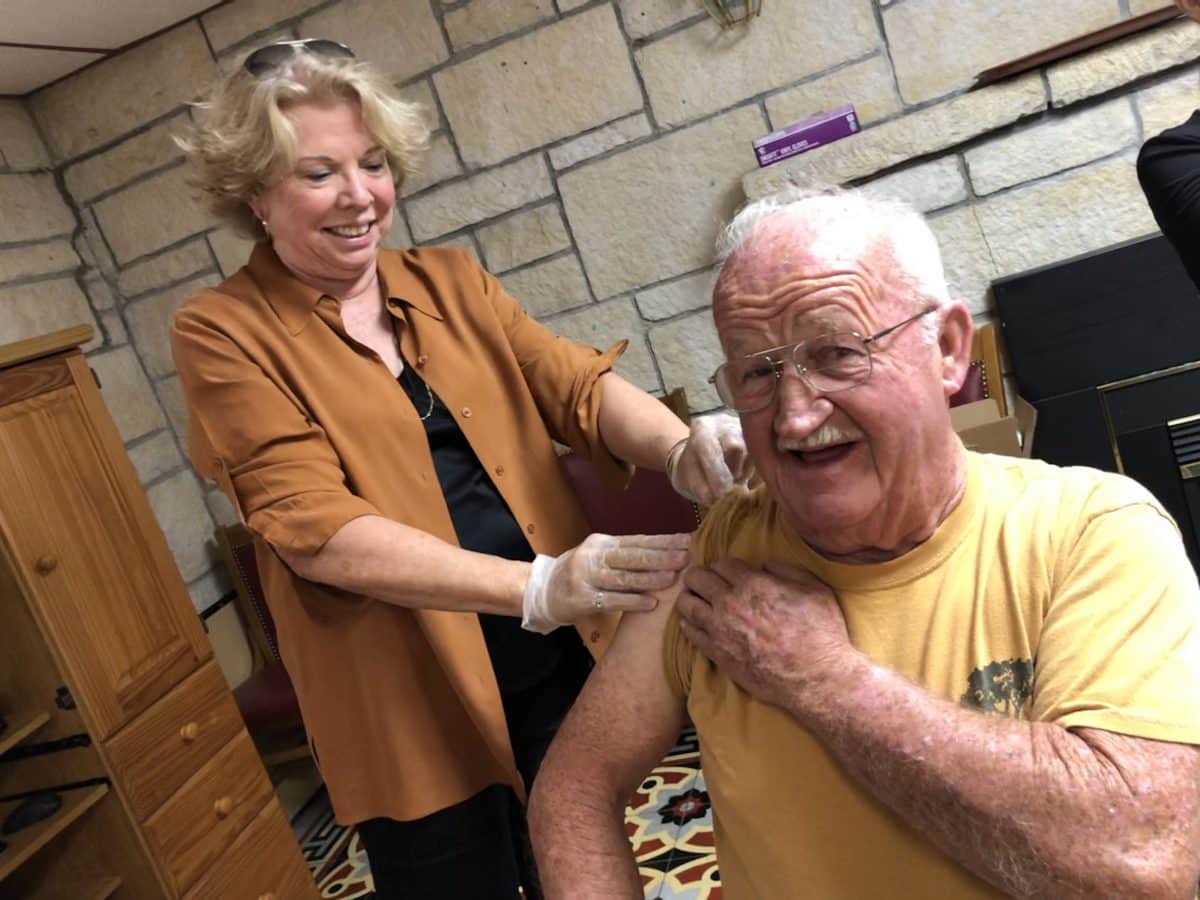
[(711, 460), (1189, 8), (776, 632)]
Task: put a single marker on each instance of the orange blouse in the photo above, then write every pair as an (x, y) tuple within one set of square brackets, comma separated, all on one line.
[(305, 429)]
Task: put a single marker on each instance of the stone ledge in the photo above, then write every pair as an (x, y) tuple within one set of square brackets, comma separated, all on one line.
[(1094, 73), (1168, 103), (925, 186), (1064, 216), (899, 140), (1054, 145)]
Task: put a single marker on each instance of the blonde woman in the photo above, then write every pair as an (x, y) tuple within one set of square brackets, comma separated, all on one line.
[(382, 421)]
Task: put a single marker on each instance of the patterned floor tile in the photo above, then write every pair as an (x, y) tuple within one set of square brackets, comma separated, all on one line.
[(668, 821)]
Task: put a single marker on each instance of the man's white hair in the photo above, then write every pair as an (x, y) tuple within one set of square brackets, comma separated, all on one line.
[(850, 224)]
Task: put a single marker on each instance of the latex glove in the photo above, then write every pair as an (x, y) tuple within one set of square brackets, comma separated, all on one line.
[(713, 458), (602, 574)]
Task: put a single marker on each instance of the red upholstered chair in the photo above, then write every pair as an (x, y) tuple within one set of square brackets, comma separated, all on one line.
[(983, 378), (648, 506), (266, 699)]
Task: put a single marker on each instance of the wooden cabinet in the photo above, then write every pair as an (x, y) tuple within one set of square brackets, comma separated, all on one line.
[(106, 677)]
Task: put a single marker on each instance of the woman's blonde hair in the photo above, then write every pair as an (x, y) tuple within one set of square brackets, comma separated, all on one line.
[(243, 137)]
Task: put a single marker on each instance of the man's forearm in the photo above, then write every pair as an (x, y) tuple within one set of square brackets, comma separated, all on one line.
[(1031, 807), (582, 854)]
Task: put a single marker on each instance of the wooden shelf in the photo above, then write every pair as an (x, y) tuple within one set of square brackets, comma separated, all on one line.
[(92, 890), (20, 727), (24, 844)]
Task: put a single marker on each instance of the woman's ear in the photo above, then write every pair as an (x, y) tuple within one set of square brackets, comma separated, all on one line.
[(954, 346)]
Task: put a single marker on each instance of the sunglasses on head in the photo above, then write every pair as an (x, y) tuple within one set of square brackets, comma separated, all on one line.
[(267, 59)]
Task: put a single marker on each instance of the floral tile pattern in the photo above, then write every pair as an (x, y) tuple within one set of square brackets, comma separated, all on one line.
[(668, 821)]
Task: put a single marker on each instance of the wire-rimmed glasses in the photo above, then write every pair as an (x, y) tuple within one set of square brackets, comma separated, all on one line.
[(266, 59), (828, 363)]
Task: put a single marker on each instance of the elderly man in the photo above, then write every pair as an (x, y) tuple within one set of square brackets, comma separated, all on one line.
[(915, 671)]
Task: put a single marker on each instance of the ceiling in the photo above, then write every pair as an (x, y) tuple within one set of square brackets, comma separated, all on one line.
[(66, 35)]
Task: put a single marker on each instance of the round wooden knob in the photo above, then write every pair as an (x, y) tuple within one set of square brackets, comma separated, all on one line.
[(46, 564), (223, 807), (189, 732)]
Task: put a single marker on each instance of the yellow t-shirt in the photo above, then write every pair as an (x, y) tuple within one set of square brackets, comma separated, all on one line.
[(1048, 594)]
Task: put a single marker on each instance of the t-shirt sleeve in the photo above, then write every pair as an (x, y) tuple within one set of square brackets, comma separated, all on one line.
[(276, 465), (1168, 168), (1120, 643), (710, 542)]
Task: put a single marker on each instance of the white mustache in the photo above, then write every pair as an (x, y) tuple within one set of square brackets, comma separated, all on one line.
[(825, 436)]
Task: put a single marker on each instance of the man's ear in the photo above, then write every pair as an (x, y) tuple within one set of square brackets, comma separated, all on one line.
[(954, 346)]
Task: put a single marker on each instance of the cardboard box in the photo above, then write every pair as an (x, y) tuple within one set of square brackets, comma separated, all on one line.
[(805, 135), (983, 429)]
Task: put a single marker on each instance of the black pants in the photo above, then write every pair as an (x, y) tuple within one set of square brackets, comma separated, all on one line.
[(478, 849)]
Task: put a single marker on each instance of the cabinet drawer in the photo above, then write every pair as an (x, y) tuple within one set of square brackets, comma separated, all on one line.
[(265, 862), (155, 754), (191, 830)]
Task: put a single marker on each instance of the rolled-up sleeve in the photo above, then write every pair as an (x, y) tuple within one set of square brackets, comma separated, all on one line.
[(564, 379), (277, 466)]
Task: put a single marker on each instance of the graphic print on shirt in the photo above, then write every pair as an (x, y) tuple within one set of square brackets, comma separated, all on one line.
[(1001, 687)]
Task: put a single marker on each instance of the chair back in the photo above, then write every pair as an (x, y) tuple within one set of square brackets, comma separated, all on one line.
[(236, 543), (983, 377), (649, 505)]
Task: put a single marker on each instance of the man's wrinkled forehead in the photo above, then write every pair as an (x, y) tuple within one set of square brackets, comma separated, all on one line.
[(781, 263)]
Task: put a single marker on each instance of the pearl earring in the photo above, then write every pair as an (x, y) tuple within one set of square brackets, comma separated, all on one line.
[(265, 226)]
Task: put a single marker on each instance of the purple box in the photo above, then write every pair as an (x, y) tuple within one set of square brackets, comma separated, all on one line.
[(804, 135)]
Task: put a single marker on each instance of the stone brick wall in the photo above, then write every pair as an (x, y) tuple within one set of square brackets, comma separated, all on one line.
[(587, 151)]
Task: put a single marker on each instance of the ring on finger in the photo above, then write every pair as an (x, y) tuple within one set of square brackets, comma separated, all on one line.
[(598, 600)]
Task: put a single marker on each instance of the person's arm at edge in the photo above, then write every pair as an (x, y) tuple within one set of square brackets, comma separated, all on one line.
[(625, 719)]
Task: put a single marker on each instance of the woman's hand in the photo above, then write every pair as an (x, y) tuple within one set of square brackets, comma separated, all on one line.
[(1189, 8), (710, 460), (603, 573)]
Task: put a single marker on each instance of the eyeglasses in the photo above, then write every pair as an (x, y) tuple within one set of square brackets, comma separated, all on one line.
[(828, 363), (267, 59)]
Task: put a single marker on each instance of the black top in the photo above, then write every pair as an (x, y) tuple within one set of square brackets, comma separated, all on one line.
[(485, 524), (1169, 170)]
